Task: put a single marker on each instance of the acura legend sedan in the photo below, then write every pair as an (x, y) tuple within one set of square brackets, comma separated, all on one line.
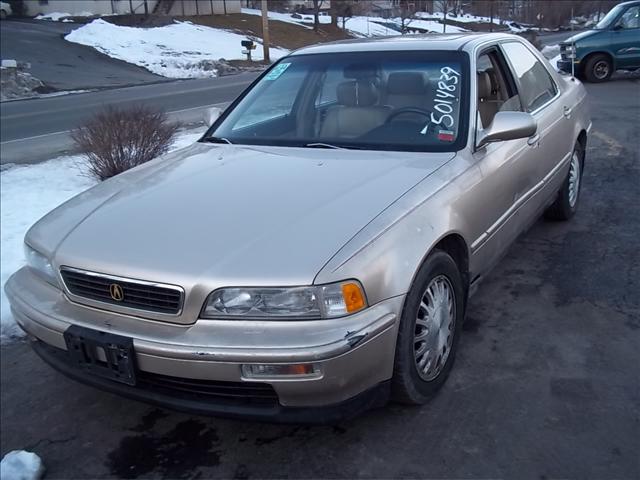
[(312, 255)]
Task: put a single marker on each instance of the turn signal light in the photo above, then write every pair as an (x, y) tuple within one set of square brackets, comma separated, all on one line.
[(353, 297), (294, 370)]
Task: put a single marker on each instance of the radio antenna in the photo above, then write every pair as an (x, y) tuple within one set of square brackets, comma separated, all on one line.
[(573, 48)]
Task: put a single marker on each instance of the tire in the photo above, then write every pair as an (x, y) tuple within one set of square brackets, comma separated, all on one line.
[(566, 203), (438, 273), (598, 68), (3, 15)]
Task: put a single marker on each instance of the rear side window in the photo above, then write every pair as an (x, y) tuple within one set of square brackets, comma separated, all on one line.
[(536, 85)]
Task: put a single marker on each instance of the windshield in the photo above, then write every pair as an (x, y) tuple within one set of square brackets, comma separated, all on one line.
[(609, 18), (407, 101)]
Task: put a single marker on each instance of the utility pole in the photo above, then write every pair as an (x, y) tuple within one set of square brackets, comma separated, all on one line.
[(265, 31)]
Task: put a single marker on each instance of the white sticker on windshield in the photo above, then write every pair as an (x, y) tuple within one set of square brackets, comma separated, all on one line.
[(277, 71), (445, 103)]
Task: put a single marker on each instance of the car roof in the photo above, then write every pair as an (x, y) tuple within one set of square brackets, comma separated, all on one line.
[(425, 41)]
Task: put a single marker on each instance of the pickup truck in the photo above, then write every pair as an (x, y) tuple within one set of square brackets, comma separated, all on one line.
[(613, 44)]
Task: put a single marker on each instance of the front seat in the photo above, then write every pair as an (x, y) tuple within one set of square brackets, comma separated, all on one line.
[(356, 112), (487, 106), (407, 89)]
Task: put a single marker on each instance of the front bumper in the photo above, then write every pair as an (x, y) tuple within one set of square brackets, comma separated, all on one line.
[(565, 65), (355, 354)]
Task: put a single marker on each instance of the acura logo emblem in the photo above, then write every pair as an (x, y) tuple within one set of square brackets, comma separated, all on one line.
[(116, 292)]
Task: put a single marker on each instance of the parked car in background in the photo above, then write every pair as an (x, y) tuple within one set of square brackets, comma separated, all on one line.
[(613, 44), (5, 10), (313, 254)]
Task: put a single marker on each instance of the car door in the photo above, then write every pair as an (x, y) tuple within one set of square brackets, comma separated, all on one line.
[(625, 38), (541, 97), (508, 170)]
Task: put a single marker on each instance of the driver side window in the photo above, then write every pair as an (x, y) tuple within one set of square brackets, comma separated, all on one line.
[(629, 19)]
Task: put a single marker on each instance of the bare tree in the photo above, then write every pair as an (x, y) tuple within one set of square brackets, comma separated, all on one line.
[(407, 14), (317, 5)]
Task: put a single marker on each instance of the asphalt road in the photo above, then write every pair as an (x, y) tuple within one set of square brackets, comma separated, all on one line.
[(38, 129), (64, 65), (546, 384)]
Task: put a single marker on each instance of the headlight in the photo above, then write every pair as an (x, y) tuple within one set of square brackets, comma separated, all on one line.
[(41, 265), (314, 302)]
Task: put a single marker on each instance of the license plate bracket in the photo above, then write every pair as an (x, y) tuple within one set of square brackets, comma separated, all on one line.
[(101, 353)]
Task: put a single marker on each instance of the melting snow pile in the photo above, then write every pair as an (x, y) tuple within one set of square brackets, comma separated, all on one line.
[(179, 50), (21, 465), (298, 19), (552, 53), (62, 17), (28, 192)]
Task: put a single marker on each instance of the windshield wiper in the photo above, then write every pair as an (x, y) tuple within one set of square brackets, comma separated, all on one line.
[(322, 145), (217, 140)]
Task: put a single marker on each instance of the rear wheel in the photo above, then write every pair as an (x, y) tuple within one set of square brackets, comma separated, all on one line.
[(3, 14), (598, 68), (429, 330), (566, 202)]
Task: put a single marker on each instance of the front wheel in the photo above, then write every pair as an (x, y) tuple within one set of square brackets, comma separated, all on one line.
[(429, 330), (566, 202), (598, 69)]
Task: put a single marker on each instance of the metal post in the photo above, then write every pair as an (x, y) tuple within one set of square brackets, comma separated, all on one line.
[(265, 31)]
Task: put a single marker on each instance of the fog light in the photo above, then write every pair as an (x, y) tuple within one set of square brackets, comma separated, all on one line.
[(295, 370)]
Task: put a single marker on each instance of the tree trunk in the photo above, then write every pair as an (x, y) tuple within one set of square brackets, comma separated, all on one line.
[(491, 19), (265, 31), (444, 18)]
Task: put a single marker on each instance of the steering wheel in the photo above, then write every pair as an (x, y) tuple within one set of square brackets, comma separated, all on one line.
[(402, 111)]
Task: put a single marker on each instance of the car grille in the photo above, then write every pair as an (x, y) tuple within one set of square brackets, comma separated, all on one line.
[(219, 391), (563, 52), (136, 294), (252, 394)]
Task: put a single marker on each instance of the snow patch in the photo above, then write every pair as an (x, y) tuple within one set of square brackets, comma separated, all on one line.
[(179, 50), (28, 192), (62, 17), (302, 20), (21, 465)]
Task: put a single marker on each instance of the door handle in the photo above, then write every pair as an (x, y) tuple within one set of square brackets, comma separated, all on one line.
[(534, 141), (567, 112)]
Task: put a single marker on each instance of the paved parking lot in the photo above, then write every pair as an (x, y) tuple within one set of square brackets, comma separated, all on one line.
[(546, 383)]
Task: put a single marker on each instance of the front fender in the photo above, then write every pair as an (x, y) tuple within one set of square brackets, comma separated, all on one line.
[(386, 254)]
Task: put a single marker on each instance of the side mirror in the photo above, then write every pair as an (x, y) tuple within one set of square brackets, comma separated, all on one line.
[(508, 126), (210, 115)]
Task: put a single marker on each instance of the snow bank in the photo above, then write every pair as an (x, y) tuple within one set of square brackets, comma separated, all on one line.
[(514, 27), (27, 193), (61, 17), (179, 50), (363, 26), (287, 18), (552, 53), (21, 465)]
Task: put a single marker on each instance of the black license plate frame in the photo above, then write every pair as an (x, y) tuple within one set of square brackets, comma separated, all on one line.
[(117, 362)]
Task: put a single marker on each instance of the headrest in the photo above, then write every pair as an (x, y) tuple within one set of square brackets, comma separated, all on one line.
[(360, 71), (356, 93), (406, 83), (495, 85), (484, 85)]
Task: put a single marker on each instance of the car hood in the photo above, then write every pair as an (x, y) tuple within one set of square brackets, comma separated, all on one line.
[(232, 215), (580, 36)]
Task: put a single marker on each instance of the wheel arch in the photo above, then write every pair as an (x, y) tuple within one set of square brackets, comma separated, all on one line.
[(454, 245), (607, 54)]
